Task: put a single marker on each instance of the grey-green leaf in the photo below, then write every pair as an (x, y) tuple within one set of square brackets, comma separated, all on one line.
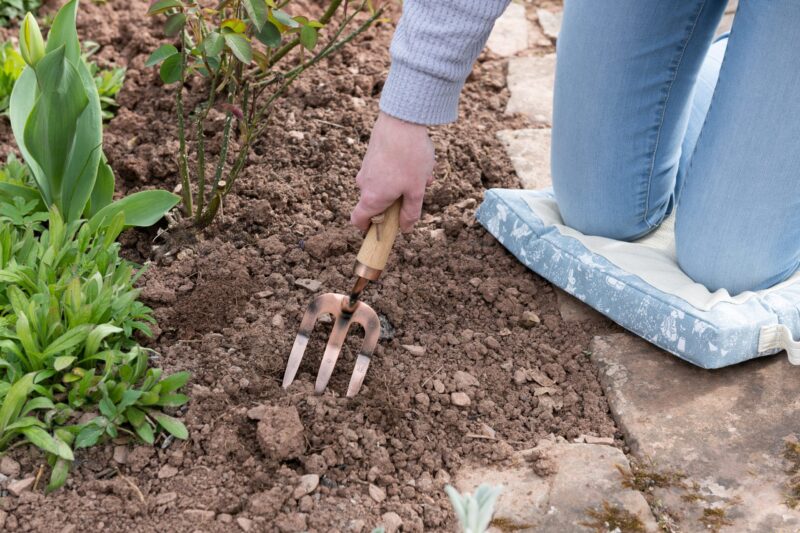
[(240, 47), (162, 52)]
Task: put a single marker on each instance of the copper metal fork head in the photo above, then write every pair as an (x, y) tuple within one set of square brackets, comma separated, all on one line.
[(345, 311)]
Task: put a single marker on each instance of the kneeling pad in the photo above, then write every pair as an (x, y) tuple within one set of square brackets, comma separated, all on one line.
[(640, 286)]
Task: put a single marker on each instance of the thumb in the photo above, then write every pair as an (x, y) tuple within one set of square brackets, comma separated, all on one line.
[(368, 207), (410, 212)]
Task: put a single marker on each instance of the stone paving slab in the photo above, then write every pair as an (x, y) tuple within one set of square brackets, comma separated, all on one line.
[(510, 33), (529, 151), (550, 22), (572, 481), (725, 429), (573, 310), (530, 81)]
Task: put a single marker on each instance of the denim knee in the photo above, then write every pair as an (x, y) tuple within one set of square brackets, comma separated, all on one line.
[(724, 261), (592, 214)]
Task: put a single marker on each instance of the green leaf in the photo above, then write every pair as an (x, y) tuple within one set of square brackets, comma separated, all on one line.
[(59, 475), (66, 342), (89, 435), (174, 24), (15, 399), (240, 47), (145, 432), (162, 52), (284, 18), (172, 400), (308, 37), (39, 402), (173, 426), (170, 71), (103, 191), (213, 44), (43, 440), (164, 5), (141, 209), (270, 35), (136, 417), (96, 337), (63, 362), (174, 382), (257, 11)]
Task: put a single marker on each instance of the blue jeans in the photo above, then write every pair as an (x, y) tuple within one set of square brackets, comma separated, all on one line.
[(648, 117)]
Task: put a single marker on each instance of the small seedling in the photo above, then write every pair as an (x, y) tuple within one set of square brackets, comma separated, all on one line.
[(474, 511)]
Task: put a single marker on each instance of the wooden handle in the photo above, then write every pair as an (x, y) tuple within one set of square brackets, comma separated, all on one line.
[(380, 237)]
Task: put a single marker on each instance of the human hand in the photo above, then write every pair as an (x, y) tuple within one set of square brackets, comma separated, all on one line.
[(398, 163)]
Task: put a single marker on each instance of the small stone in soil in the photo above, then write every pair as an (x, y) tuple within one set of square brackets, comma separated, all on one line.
[(280, 433), (423, 399), (244, 523), (15, 488), (464, 380), (312, 285), (257, 412), (9, 467), (199, 515), (308, 484), (438, 386), (460, 399), (415, 350), (529, 319), (278, 321), (167, 471), (165, 498), (391, 522), (121, 454), (377, 493)]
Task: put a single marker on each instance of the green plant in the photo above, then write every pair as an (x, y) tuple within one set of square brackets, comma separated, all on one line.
[(474, 511), (109, 83), (241, 49), (11, 66), (68, 313), (15, 9), (56, 118)]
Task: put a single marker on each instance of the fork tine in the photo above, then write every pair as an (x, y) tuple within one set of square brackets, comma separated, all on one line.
[(324, 303), (369, 320), (332, 350)]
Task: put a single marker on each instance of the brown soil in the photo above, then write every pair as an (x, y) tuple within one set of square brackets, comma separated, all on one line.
[(228, 309)]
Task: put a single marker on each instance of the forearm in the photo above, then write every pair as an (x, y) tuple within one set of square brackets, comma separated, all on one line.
[(434, 47)]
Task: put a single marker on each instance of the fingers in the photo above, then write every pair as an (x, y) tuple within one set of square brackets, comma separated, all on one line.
[(368, 206), (410, 212)]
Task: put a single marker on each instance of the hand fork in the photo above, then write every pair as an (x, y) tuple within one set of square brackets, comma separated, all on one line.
[(370, 262)]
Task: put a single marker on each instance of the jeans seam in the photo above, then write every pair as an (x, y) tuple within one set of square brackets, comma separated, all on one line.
[(664, 106), (702, 129)]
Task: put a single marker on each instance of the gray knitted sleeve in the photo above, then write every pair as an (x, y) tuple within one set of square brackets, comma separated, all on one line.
[(433, 49)]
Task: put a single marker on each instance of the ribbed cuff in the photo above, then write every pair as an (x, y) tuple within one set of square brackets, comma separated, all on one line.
[(419, 97)]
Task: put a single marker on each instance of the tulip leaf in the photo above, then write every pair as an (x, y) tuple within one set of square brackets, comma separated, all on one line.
[(141, 209)]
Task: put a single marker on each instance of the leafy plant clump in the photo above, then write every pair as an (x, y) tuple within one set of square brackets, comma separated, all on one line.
[(11, 67), (56, 119), (241, 48), (68, 311), (11, 10)]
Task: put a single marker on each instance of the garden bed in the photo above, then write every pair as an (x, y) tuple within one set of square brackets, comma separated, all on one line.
[(228, 306)]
